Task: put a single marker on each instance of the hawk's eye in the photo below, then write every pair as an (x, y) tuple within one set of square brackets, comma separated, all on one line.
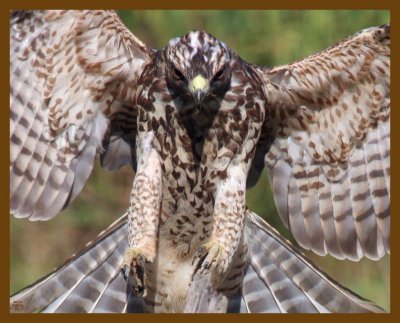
[(220, 74), (177, 74)]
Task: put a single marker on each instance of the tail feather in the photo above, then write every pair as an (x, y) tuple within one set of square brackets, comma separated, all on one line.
[(269, 251), (256, 294), (62, 290), (278, 278), (90, 291)]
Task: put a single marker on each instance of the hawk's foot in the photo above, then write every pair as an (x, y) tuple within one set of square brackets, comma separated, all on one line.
[(208, 257), (133, 269)]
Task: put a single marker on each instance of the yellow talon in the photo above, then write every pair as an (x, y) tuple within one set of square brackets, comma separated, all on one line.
[(207, 256), (130, 255)]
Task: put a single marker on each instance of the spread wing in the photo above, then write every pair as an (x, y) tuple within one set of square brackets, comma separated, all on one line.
[(329, 156), (73, 79), (278, 279)]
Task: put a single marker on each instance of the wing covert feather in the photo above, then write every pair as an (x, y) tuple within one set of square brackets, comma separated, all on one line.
[(72, 74), (330, 117)]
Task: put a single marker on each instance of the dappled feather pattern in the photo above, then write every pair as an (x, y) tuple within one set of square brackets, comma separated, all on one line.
[(330, 161), (70, 74), (199, 124)]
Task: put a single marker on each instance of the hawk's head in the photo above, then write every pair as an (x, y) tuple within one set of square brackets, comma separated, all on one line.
[(197, 65)]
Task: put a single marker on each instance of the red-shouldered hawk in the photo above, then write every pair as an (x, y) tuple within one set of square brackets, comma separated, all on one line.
[(198, 124)]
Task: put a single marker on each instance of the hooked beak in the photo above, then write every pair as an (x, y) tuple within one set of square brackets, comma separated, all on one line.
[(198, 96), (198, 87)]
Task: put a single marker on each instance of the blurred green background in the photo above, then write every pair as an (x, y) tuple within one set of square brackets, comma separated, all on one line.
[(267, 38)]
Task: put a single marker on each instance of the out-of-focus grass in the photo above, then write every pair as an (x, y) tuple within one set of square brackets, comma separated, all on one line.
[(262, 37)]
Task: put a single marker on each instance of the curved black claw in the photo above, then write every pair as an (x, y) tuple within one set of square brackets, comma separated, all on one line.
[(125, 272)]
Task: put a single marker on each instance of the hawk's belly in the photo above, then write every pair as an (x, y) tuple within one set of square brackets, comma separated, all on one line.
[(180, 235), (170, 274), (171, 279)]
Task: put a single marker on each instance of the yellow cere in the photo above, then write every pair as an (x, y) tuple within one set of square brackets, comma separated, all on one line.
[(199, 83)]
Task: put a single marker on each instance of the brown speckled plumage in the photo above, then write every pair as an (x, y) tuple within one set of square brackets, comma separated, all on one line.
[(199, 124)]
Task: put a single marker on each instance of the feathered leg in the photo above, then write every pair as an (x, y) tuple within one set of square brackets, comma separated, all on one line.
[(144, 214)]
